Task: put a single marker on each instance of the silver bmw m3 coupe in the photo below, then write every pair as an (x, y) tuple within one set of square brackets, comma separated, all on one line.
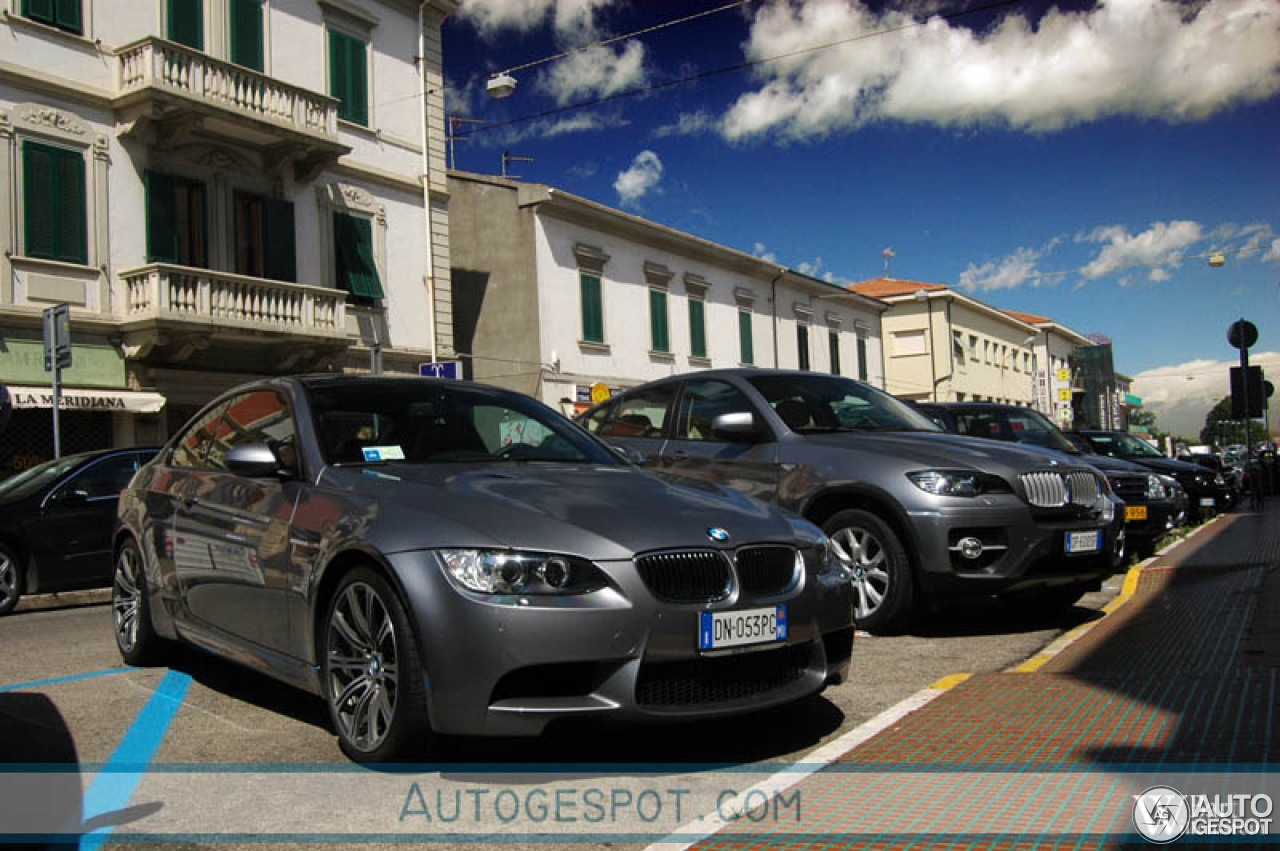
[(431, 555)]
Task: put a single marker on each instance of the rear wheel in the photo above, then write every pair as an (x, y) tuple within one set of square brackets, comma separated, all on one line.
[(130, 612), (373, 677), (883, 587), (10, 580)]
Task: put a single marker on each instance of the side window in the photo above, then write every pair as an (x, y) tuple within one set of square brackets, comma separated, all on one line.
[(191, 447), (105, 478), (258, 417), (597, 418), (642, 414), (702, 402)]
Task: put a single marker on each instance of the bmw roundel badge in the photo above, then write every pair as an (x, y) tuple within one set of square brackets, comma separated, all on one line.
[(715, 533)]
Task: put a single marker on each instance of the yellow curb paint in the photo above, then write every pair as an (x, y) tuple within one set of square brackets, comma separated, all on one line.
[(950, 681), (1070, 637)]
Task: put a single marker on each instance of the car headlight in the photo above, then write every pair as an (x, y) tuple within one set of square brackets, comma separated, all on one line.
[(822, 559), (1218, 480), (1157, 489), (514, 572), (957, 482)]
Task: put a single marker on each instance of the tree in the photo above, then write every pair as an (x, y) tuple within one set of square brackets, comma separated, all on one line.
[(1220, 430), (1147, 419)]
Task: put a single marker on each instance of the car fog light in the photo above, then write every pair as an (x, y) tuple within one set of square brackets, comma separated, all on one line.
[(970, 548), (555, 572)]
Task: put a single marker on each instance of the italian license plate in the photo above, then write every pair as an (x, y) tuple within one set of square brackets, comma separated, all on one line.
[(1135, 512), (717, 630), (1084, 542), (1206, 502)]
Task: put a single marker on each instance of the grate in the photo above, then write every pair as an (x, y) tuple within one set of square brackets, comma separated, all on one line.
[(686, 576), (721, 680), (766, 570)]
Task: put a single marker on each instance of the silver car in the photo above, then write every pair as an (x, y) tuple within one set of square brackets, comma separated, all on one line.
[(441, 556)]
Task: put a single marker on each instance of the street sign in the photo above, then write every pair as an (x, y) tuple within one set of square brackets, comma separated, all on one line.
[(57, 337), (441, 369), (1242, 334), (1246, 402)]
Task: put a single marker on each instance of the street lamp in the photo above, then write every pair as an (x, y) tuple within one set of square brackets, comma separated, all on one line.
[(500, 85)]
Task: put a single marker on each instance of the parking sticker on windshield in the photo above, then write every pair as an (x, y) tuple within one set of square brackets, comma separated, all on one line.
[(383, 453)]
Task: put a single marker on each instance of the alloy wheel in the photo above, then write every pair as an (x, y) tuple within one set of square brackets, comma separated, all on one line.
[(126, 598), (363, 666), (864, 555), (8, 581)]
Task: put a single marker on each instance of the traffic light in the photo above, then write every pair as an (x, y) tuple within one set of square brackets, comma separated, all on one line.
[(1256, 393)]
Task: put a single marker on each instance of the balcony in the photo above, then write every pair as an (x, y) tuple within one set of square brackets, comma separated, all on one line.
[(172, 89), (202, 317)]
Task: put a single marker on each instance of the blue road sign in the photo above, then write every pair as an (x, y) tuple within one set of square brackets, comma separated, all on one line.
[(441, 369)]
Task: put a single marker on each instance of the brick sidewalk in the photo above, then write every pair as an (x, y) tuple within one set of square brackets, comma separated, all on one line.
[(1182, 677)]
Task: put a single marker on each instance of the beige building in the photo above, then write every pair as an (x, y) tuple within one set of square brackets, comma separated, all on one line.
[(1059, 389), (943, 346)]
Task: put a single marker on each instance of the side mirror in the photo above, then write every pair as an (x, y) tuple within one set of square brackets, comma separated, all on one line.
[(739, 426), (252, 460), (73, 497), (627, 454)]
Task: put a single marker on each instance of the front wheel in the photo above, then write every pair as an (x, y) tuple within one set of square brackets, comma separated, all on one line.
[(373, 678), (130, 612), (883, 587), (10, 580)]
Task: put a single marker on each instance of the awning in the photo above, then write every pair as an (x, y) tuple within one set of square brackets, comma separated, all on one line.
[(128, 401)]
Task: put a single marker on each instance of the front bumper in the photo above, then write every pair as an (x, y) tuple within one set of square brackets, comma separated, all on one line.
[(509, 666)]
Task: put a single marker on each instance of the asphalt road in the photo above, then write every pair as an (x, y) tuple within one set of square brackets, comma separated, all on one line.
[(228, 716)]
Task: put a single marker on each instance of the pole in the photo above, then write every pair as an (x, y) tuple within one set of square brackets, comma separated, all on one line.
[(57, 398), (1244, 376)]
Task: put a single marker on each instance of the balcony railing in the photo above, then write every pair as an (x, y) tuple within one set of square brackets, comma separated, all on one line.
[(205, 297), (164, 65)]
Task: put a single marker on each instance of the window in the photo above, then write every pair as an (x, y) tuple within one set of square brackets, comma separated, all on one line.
[(186, 22), (190, 448), (659, 332), (53, 203), (597, 418), (909, 343), (973, 347), (258, 417), (246, 33), (63, 14), (697, 328), (589, 287), (641, 414), (265, 238), (357, 273), (802, 344), (833, 344), (957, 347), (746, 353), (105, 478), (701, 403), (177, 229), (348, 76), (862, 358)]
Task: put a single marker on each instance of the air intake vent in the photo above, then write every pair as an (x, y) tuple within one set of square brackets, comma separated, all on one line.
[(691, 576)]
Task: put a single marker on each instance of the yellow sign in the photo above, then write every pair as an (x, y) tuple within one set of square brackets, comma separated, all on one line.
[(1064, 394), (599, 392), (1064, 374)]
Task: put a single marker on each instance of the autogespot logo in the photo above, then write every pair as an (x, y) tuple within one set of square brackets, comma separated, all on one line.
[(1161, 814)]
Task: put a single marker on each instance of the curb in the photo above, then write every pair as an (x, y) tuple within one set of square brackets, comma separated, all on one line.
[(62, 599)]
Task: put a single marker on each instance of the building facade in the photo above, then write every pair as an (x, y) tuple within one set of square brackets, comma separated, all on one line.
[(559, 297), (219, 189), (1060, 391)]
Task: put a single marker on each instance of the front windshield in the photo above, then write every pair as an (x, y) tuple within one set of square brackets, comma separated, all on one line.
[(1122, 445), (432, 422), (821, 403), (39, 477), (1016, 424)]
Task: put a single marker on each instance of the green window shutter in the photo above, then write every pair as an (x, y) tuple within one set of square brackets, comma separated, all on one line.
[(658, 331), (592, 308), (186, 22), (357, 271), (746, 349), (38, 10), (697, 328), (862, 358), (67, 15), (162, 218), (71, 227), (348, 77), (54, 211), (280, 240), (833, 340), (246, 33), (38, 201)]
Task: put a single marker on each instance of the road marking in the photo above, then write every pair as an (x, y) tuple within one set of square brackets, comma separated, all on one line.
[(114, 785), (69, 679)]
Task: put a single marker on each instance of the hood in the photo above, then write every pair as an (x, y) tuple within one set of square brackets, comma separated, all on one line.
[(1179, 469), (597, 512), (943, 451)]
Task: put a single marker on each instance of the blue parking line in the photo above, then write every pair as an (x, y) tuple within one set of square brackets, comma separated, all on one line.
[(72, 678), (114, 785)]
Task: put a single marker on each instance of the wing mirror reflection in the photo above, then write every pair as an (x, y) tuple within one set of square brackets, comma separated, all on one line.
[(738, 426)]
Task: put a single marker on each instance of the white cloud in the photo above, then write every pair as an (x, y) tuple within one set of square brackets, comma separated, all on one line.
[(688, 124), (1273, 253), (640, 178), (549, 128), (598, 72), (574, 19), (763, 253), (1146, 58), (1013, 270), (1162, 244), (1183, 394), (1159, 275)]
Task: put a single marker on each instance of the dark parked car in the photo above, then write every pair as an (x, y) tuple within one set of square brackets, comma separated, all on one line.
[(918, 515), (1153, 503), (1206, 490), (56, 521), (1232, 474), (438, 555)]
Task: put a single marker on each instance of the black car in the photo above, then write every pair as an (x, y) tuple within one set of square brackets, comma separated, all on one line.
[(56, 522), (1206, 490), (1153, 503)]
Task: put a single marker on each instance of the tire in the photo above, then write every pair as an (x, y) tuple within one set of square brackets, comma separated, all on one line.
[(883, 585), (10, 580), (136, 638), (372, 676)]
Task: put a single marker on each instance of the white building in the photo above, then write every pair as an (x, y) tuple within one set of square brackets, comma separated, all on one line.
[(219, 189), (1058, 387), (556, 294)]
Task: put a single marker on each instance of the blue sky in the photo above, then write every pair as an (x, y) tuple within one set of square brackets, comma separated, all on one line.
[(1078, 161)]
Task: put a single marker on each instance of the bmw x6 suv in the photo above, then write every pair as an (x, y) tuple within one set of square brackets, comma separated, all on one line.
[(916, 514)]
